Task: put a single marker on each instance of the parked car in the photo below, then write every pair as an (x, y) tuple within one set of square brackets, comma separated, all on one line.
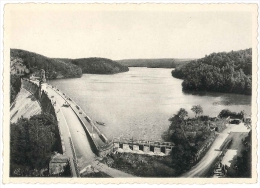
[(235, 121)]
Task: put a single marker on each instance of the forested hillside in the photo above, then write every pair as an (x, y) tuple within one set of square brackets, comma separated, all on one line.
[(32, 143), (153, 63), (23, 63), (34, 62), (97, 65), (219, 72)]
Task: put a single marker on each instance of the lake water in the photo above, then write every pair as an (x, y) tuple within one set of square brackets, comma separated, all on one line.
[(139, 103)]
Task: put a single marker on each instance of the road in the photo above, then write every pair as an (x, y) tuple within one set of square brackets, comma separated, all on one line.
[(71, 128), (79, 138), (83, 149), (204, 165)]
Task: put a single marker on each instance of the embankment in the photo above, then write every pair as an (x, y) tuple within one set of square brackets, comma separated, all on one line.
[(28, 103)]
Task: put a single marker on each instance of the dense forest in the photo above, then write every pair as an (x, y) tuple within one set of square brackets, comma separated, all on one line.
[(15, 86), (23, 63), (218, 72), (154, 63), (97, 65), (53, 67), (33, 142)]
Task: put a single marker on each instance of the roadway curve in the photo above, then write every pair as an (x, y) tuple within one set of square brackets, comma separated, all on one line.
[(84, 153), (79, 138), (205, 164)]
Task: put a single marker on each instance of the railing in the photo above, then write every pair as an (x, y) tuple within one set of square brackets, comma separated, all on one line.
[(143, 142), (86, 117), (99, 148)]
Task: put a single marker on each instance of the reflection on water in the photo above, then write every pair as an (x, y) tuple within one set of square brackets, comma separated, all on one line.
[(225, 98), (139, 103)]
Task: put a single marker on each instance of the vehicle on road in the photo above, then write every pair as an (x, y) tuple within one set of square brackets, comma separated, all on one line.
[(66, 104)]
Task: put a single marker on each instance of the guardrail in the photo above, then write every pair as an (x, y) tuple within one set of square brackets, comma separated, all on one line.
[(65, 97), (101, 150)]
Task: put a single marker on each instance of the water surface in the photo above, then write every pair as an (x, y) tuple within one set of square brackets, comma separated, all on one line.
[(139, 103)]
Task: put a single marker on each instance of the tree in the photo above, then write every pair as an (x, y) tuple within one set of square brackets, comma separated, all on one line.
[(178, 135), (182, 113), (218, 72), (32, 143), (248, 123), (197, 109)]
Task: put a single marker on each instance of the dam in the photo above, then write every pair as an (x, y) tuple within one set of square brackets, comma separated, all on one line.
[(81, 141), (80, 138)]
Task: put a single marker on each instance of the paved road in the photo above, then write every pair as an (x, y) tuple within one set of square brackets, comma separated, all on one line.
[(65, 134), (83, 149), (203, 167), (72, 128)]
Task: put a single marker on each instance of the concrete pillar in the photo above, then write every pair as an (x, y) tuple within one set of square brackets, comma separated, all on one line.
[(135, 147), (167, 151), (146, 149), (157, 150), (116, 145), (125, 147)]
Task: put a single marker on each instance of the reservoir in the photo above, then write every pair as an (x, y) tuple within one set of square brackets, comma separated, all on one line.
[(139, 103)]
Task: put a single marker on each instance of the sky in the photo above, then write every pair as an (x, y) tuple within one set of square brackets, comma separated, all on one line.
[(118, 34)]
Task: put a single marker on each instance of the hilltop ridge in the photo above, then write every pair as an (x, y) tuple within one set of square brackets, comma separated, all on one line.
[(154, 63), (94, 65), (24, 62)]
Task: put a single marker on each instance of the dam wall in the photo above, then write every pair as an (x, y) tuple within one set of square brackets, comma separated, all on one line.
[(42, 96), (100, 144), (47, 106), (142, 146), (98, 141), (25, 105)]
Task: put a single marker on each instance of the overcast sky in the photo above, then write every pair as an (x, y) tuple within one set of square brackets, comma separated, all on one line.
[(129, 34)]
